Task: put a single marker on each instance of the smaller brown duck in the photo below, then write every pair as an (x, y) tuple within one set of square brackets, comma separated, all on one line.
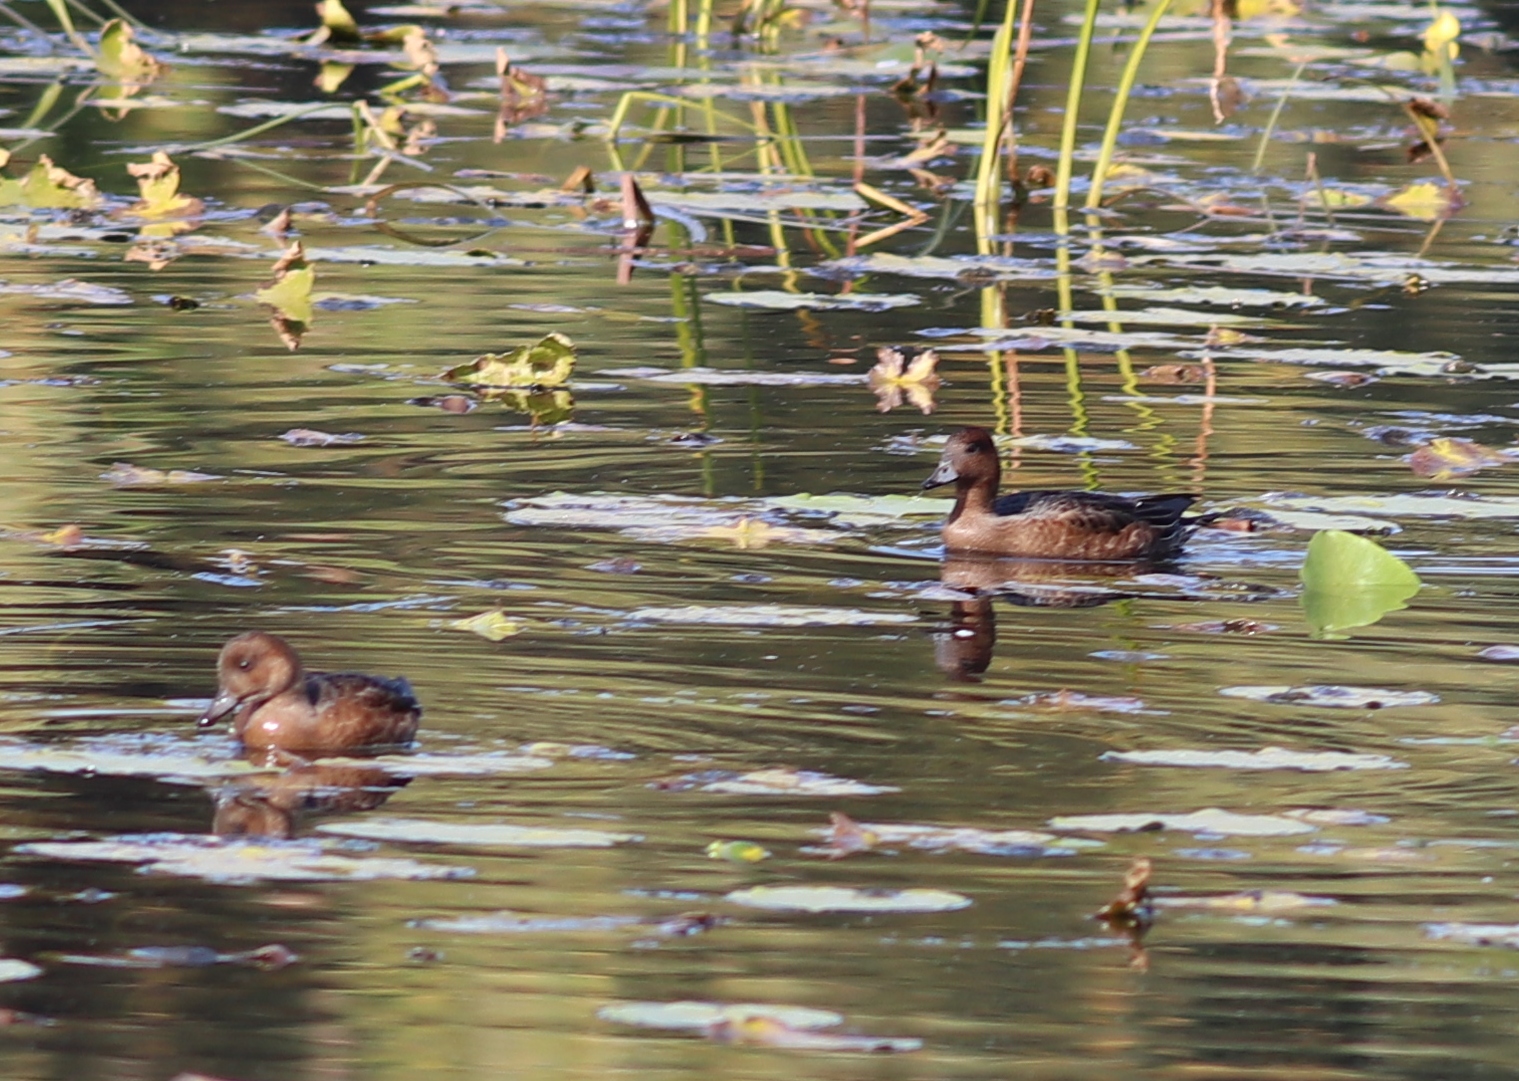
[(1049, 525), (279, 705)]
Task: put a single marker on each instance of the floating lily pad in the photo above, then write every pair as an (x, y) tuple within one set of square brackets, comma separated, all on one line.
[(1475, 934), (505, 923), (990, 268), (862, 836), (1412, 505), (1249, 902), (701, 1015), (779, 301), (111, 756), (494, 835), (125, 475), (1349, 581), (722, 377), (13, 968), (721, 203), (1221, 296), (770, 615), (1211, 820), (772, 782), (1265, 758), (70, 289), (217, 859), (846, 899), (1332, 695), (447, 765)]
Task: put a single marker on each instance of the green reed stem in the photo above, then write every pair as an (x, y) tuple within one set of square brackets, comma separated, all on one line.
[(60, 12), (1120, 103), (257, 129), (1260, 147), (989, 178), (1065, 166)]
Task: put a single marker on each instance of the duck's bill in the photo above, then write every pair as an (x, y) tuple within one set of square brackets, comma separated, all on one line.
[(942, 475), (220, 706)]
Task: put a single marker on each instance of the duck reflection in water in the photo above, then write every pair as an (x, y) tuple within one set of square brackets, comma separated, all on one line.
[(285, 716), (272, 805), (963, 648)]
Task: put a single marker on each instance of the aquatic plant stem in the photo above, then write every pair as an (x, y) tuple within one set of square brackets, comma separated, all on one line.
[(1120, 104), (1065, 165), (1276, 112), (257, 129), (988, 198)]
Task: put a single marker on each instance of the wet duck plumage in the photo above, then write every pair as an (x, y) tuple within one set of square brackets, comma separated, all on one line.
[(276, 704), (1049, 524)]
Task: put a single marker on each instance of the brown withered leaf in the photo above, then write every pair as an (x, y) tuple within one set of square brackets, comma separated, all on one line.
[(1444, 458), (1175, 373), (895, 377), (1132, 909), (846, 836)]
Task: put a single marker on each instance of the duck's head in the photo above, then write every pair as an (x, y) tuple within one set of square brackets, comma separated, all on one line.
[(252, 667), (969, 456)]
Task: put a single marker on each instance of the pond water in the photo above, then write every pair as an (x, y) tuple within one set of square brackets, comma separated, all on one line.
[(690, 635)]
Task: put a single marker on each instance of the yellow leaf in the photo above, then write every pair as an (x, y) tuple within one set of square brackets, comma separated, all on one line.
[(336, 20), (158, 187), (546, 363), (1336, 198), (1442, 459), (290, 291), (122, 58), (50, 187), (494, 625), (737, 851), (1440, 36), (1426, 200)]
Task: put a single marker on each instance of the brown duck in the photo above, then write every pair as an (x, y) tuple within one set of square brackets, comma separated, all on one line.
[(1049, 525), (278, 705)]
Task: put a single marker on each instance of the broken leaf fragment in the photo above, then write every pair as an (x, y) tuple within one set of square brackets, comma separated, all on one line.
[(1442, 459), (338, 25), (50, 187), (1349, 581), (1132, 909), (120, 57), (494, 625), (289, 294), (548, 362), (158, 189)]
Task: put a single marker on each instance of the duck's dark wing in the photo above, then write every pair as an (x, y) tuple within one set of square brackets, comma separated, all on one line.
[(324, 689), (1098, 513)]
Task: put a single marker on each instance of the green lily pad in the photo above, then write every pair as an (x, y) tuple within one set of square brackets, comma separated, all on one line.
[(777, 300), (1349, 581), (846, 899), (493, 834)]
